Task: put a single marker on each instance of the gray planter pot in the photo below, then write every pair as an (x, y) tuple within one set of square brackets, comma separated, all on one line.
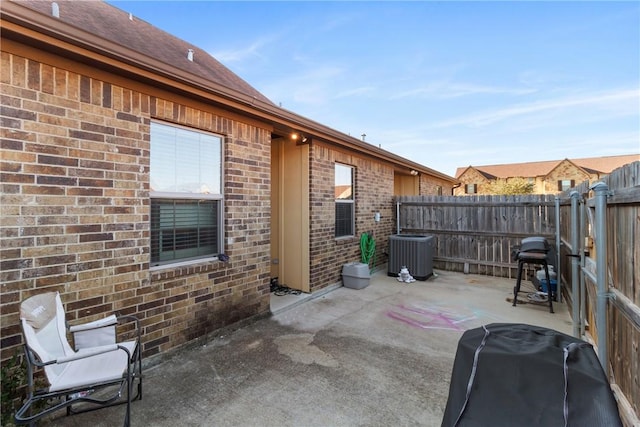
[(355, 275)]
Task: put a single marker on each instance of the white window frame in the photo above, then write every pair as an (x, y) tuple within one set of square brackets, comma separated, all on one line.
[(338, 180), (209, 191)]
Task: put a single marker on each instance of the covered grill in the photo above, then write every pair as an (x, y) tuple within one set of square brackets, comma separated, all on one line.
[(533, 250)]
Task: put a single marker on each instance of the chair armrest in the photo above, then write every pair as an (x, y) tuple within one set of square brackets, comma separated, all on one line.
[(102, 332), (95, 334), (100, 323), (90, 352), (82, 354)]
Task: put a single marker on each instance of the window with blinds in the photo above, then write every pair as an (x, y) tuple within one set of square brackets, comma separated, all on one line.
[(345, 206), (186, 194), (183, 229)]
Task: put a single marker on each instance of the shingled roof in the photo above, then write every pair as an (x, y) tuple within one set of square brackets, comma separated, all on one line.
[(602, 165), (118, 26), (100, 35)]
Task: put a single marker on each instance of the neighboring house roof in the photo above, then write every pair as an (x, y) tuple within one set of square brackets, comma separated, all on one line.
[(602, 165), (486, 174), (470, 169), (605, 164), (104, 36), (343, 191)]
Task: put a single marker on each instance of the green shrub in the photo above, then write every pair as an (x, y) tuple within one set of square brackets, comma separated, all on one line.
[(13, 380)]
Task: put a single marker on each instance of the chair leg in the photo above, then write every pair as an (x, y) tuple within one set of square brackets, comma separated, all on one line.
[(127, 417), (516, 289), (139, 373)]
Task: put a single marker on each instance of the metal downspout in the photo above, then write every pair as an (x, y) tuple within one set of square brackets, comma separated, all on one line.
[(397, 217), (601, 189)]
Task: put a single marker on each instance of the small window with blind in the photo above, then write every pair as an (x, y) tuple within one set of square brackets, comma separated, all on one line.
[(186, 194), (345, 206), (471, 188)]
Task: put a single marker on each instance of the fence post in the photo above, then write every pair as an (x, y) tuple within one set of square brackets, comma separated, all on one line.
[(583, 285), (558, 252), (601, 189), (575, 254)]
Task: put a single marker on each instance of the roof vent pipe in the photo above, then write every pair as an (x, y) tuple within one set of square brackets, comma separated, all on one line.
[(55, 10), (130, 16), (190, 55)]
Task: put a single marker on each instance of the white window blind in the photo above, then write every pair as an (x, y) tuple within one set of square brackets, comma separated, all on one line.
[(186, 194)]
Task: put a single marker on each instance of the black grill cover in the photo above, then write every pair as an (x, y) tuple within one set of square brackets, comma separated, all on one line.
[(520, 380)]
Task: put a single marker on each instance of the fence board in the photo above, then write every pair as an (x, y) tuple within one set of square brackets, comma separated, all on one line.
[(623, 275), (478, 233)]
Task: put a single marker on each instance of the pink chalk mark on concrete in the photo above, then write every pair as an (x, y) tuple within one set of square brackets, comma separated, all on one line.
[(444, 319), (418, 324)]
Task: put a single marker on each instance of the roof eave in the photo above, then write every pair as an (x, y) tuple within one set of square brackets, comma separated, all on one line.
[(131, 62)]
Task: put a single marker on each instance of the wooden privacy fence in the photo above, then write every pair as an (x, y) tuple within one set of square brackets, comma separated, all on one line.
[(598, 257), (600, 236), (476, 234)]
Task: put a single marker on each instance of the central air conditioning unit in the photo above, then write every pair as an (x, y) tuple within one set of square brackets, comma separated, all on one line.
[(413, 252)]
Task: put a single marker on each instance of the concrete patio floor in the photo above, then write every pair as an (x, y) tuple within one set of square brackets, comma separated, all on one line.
[(378, 356)]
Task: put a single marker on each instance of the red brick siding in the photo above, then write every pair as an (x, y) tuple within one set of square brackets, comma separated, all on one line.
[(430, 185), (373, 193), (75, 208)]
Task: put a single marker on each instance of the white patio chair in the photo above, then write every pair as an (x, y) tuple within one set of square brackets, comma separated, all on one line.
[(91, 377)]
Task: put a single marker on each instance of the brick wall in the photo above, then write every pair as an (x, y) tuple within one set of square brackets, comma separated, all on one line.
[(75, 208), (566, 170), (430, 186), (470, 176), (373, 193)]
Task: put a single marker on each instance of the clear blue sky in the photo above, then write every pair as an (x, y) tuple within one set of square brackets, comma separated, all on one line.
[(446, 84)]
